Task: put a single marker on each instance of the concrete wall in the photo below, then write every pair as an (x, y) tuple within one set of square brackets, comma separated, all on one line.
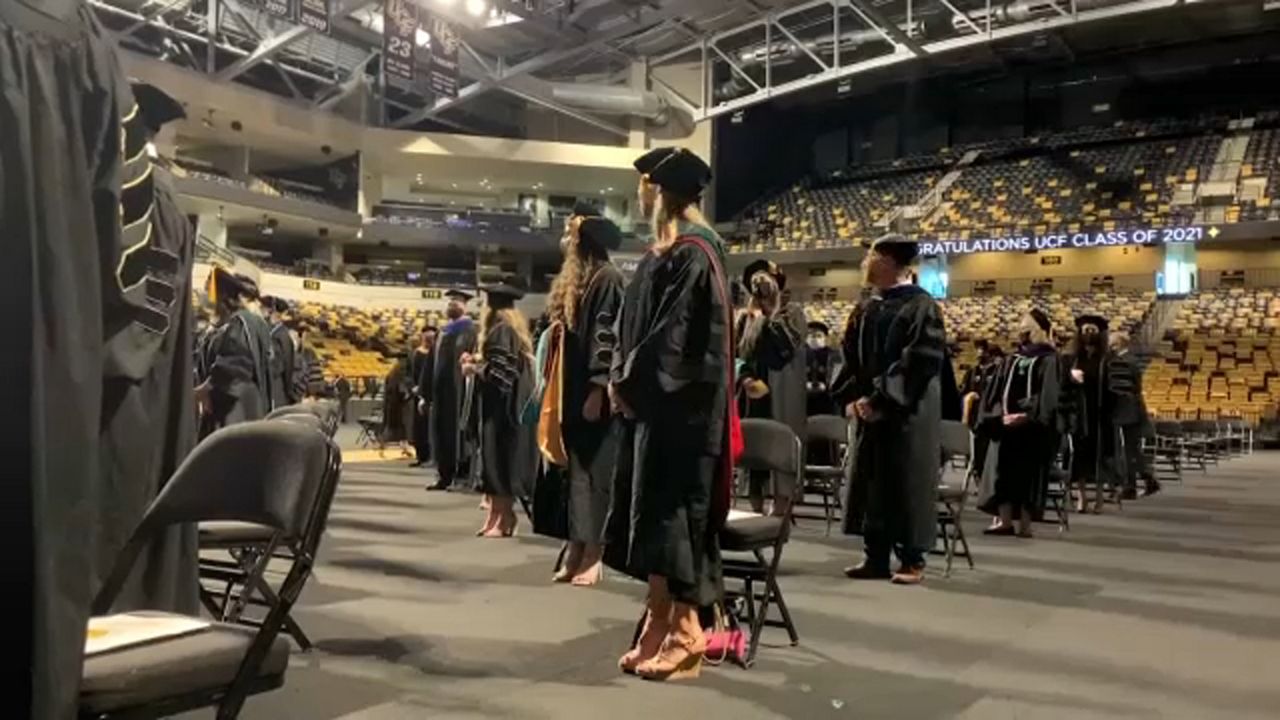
[(1259, 259)]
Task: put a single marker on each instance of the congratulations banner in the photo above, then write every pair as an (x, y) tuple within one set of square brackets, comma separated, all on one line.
[(1066, 241)]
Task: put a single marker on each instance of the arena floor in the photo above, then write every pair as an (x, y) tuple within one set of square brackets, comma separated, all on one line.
[(1168, 610)]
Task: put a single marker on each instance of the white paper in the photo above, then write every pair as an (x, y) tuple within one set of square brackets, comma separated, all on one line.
[(112, 632)]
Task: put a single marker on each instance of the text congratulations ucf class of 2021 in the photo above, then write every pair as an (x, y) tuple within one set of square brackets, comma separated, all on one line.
[(1060, 241)]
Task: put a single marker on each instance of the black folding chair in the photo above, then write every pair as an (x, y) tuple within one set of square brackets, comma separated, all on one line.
[(769, 446), (325, 412), (1166, 451), (957, 444), (265, 473), (231, 583), (826, 480)]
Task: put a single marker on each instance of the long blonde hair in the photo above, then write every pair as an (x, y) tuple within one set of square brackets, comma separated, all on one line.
[(670, 207), (515, 319)]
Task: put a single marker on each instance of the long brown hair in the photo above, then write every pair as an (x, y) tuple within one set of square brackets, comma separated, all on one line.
[(515, 319), (580, 264)]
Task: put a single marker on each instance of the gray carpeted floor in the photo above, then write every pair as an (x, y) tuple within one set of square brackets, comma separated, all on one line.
[(1167, 610)]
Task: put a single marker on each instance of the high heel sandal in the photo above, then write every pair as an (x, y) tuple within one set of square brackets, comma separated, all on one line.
[(591, 576), (568, 564), (657, 622), (682, 650)]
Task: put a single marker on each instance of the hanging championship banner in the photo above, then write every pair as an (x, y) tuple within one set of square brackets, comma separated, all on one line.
[(279, 8), (444, 57), (399, 31), (314, 14)]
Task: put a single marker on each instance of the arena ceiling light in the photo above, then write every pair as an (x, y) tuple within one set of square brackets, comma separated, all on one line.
[(477, 7)]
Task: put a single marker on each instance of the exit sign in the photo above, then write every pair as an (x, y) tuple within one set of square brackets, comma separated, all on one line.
[(310, 284), (1050, 259)]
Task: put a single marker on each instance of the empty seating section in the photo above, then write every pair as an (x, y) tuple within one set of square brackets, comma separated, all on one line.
[(1220, 359), (837, 212), (1096, 180), (358, 343), (1093, 188), (1260, 175)]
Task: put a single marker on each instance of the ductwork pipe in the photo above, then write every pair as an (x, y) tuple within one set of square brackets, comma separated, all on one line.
[(1022, 11), (610, 100), (783, 52)]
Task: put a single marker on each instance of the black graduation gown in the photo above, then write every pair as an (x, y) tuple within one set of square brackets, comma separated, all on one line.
[(282, 382), (672, 367), (772, 349), (456, 338), (235, 363), (573, 503), (149, 413), (61, 167), (821, 371), (422, 368), (396, 401), (895, 358), (1019, 458), (508, 448), (1097, 451)]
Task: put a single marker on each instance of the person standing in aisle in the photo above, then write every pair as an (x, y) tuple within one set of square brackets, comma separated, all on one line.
[(341, 388), (772, 350), (282, 353), (1020, 421), (503, 372), (1134, 421), (457, 338), (823, 362), (1098, 383), (422, 367), (585, 299), (234, 368), (891, 382), (672, 377)]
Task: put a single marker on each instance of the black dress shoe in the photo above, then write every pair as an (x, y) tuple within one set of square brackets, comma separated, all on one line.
[(867, 571), (999, 530), (1152, 488), (438, 487), (1129, 494)]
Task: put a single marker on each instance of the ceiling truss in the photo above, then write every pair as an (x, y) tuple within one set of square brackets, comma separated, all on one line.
[(779, 41)]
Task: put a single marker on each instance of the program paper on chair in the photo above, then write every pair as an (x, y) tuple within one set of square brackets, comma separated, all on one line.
[(113, 632)]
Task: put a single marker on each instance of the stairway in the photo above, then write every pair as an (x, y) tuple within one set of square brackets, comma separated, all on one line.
[(926, 204), (1219, 189)]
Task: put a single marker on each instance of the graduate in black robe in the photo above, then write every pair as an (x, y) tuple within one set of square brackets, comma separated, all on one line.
[(422, 367), (891, 382), (457, 338), (1019, 416), (672, 377), (1098, 379), (585, 300), (283, 385), (772, 352), (397, 405), (148, 406), (235, 365), (62, 163), (503, 373), (823, 361)]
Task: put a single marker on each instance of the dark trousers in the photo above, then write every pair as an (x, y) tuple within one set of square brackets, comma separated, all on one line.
[(422, 434), (342, 408), (1135, 463), (876, 545)]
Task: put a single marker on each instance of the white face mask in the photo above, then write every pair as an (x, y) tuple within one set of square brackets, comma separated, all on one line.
[(817, 341)]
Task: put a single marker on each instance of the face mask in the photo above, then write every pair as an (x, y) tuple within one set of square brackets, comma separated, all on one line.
[(817, 342)]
